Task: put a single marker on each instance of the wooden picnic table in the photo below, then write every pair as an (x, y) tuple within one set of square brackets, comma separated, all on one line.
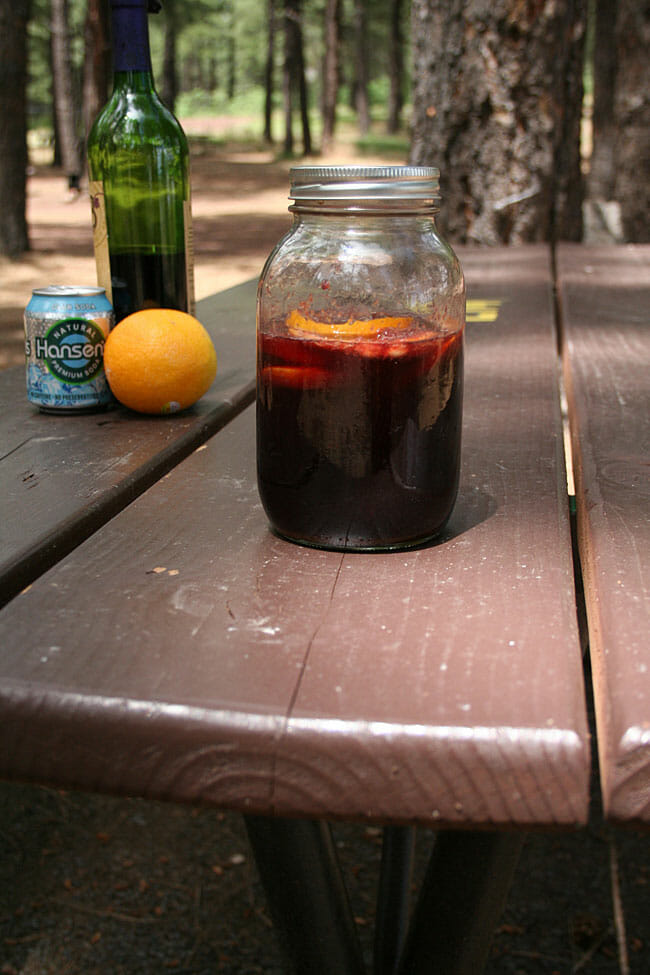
[(157, 640), (604, 295)]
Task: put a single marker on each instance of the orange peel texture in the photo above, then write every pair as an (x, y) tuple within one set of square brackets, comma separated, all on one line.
[(299, 324)]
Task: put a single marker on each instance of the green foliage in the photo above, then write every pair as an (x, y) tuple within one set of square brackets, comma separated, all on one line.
[(216, 39), (39, 88), (377, 143), (221, 54), (197, 103)]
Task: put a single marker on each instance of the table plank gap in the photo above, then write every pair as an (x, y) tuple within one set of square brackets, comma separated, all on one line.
[(604, 298)]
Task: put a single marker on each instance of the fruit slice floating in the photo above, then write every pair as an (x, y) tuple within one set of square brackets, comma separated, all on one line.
[(354, 328), (296, 377)]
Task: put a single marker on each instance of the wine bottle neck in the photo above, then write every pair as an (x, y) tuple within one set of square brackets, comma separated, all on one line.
[(131, 55)]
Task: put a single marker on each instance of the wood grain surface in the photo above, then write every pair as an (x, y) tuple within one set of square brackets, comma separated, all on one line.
[(605, 300), (186, 652), (64, 476)]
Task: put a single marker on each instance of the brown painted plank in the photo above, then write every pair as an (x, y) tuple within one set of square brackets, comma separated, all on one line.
[(605, 298), (185, 652), (64, 476)]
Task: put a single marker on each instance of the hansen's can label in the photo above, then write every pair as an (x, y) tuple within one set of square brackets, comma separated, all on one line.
[(65, 331)]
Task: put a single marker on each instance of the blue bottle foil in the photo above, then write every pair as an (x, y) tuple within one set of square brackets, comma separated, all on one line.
[(65, 331)]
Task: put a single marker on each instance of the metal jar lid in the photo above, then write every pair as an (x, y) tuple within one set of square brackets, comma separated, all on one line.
[(364, 183)]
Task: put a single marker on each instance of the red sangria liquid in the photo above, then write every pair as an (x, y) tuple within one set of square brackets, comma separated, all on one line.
[(358, 436)]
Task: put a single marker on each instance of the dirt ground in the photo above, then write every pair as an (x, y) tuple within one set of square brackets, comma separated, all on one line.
[(91, 885), (239, 212), (239, 208)]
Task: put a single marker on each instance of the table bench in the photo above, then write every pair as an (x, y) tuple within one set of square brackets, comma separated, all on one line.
[(176, 649), (604, 296)]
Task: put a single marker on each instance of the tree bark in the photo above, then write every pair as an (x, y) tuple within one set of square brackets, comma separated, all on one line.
[(304, 100), (232, 53), (268, 72), (287, 78), (97, 61), (169, 86), (395, 66), (331, 73), (211, 78), (632, 113), (14, 16), (361, 102), (497, 106), (65, 100), (294, 76), (601, 179)]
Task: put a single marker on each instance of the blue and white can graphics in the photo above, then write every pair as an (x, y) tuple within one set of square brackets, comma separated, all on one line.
[(65, 331)]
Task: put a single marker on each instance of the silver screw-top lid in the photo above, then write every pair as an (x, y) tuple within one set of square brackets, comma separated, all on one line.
[(364, 183)]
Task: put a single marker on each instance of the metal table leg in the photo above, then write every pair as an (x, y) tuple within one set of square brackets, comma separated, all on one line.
[(393, 897), (462, 897), (306, 894)]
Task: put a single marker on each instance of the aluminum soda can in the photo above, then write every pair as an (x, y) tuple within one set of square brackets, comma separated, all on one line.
[(65, 331)]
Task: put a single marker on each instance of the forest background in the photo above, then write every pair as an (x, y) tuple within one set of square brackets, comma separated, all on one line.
[(537, 112)]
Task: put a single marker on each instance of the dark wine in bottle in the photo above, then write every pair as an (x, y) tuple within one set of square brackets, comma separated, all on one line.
[(138, 163), (148, 281)]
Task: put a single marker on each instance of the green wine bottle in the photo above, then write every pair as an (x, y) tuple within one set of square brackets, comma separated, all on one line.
[(138, 166)]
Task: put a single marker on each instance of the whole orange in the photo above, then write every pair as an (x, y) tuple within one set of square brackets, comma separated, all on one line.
[(159, 360)]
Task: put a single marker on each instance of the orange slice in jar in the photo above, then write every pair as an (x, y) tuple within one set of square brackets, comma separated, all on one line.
[(295, 377), (353, 328)]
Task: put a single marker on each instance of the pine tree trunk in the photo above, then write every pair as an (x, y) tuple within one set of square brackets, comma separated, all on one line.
[(497, 106), (395, 66), (232, 53), (361, 102), (632, 113), (287, 75), (331, 69), (169, 85), (602, 175), (64, 94), (294, 81), (56, 148), (268, 72), (212, 81), (14, 16), (97, 62), (304, 100)]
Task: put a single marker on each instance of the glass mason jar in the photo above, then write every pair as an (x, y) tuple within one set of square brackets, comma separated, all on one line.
[(360, 321)]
